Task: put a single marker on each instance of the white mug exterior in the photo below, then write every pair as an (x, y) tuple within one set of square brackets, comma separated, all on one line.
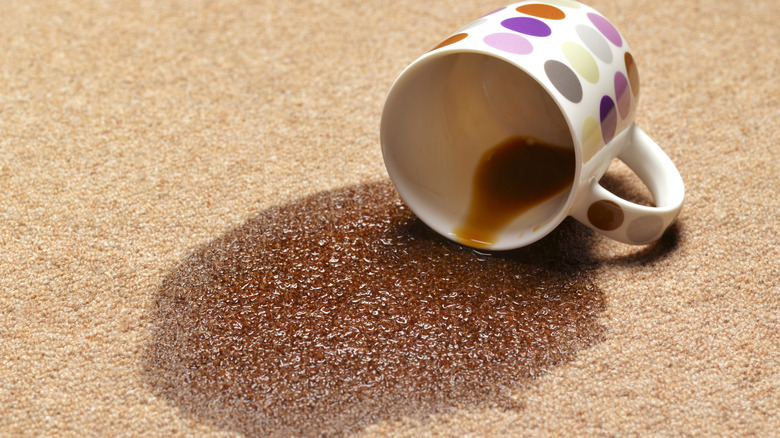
[(555, 70)]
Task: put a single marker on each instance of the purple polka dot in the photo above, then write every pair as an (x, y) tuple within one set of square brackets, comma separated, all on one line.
[(622, 95), (608, 118), (509, 42), (528, 26), (606, 28)]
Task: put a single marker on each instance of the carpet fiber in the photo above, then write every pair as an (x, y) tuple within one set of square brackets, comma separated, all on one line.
[(150, 152)]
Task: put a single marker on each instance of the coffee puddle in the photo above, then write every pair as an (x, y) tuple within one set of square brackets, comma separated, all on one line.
[(342, 309), (511, 178)]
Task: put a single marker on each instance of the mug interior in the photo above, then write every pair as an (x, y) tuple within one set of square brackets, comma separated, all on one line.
[(442, 116)]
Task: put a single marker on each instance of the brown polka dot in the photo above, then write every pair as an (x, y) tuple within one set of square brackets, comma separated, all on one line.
[(645, 229), (605, 215), (633, 74), (451, 40)]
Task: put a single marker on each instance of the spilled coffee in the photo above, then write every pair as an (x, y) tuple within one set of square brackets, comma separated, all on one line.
[(511, 178), (340, 310)]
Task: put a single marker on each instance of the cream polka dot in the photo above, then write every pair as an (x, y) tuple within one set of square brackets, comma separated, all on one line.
[(582, 61), (591, 138), (645, 229)]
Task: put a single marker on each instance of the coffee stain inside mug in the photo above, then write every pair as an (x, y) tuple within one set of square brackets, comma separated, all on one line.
[(340, 310), (511, 178)]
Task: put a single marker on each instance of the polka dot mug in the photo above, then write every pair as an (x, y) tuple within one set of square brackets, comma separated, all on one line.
[(505, 128)]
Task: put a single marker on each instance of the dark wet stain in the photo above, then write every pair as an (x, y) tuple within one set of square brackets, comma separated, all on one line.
[(325, 315)]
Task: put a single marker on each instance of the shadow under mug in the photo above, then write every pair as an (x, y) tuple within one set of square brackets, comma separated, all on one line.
[(505, 128)]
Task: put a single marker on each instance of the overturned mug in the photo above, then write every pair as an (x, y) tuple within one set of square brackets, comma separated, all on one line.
[(505, 128)]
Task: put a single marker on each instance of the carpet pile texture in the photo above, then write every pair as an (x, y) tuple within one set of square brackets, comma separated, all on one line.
[(137, 135)]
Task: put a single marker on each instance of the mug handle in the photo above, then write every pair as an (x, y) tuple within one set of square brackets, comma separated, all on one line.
[(625, 221)]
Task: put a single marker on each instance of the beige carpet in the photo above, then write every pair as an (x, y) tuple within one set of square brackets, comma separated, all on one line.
[(143, 143)]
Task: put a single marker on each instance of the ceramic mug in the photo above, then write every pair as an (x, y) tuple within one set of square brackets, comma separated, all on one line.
[(504, 129)]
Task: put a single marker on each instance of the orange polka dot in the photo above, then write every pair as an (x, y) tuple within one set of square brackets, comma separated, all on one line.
[(451, 40), (542, 11)]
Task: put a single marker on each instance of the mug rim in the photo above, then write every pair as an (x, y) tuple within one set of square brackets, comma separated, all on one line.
[(528, 237)]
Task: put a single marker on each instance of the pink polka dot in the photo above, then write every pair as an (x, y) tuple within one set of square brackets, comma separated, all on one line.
[(622, 95), (606, 28), (509, 42)]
